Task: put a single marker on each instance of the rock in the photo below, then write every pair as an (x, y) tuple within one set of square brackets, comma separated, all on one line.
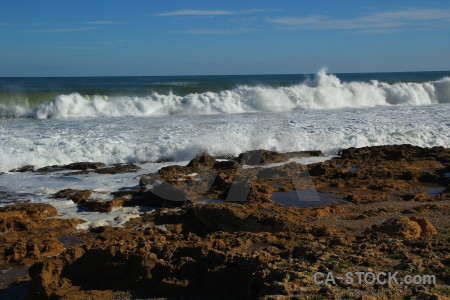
[(324, 231), (81, 196), (407, 227), (29, 233), (100, 202), (118, 168), (23, 217), (165, 195), (149, 179), (74, 195), (425, 225), (316, 169), (289, 155), (27, 168), (254, 249), (257, 157), (227, 165), (103, 206), (203, 161), (171, 173), (84, 165)]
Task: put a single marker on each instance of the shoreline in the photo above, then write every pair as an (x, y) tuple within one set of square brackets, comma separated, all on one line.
[(394, 214)]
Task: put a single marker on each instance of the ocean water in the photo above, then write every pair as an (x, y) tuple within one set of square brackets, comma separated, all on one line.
[(48, 121)]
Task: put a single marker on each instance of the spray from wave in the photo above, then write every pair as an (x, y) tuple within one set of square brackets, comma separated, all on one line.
[(323, 91)]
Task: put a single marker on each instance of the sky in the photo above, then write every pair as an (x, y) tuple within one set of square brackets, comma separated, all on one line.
[(137, 37)]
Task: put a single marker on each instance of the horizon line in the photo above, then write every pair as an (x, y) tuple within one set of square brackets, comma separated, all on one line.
[(218, 75)]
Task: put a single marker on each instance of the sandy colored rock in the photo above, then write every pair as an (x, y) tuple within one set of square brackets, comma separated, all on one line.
[(407, 227), (257, 248)]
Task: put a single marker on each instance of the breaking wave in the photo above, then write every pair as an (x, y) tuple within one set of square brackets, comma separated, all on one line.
[(323, 91)]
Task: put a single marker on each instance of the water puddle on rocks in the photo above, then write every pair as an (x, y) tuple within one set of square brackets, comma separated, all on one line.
[(9, 273), (304, 198), (434, 191), (430, 190), (209, 201)]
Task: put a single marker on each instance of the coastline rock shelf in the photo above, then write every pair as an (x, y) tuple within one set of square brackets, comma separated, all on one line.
[(259, 225)]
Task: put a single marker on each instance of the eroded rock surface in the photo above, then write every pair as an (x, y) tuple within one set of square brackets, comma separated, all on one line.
[(204, 242)]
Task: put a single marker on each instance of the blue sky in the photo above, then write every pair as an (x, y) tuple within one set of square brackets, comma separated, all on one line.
[(113, 38)]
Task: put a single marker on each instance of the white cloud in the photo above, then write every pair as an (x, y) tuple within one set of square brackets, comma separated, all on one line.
[(63, 29), (381, 22), (194, 12)]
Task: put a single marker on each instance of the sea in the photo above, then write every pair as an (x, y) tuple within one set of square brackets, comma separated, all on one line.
[(161, 120)]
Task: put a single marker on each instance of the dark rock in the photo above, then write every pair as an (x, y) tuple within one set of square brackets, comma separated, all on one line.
[(118, 168), (203, 161), (84, 165), (257, 157), (316, 169), (227, 165), (27, 168)]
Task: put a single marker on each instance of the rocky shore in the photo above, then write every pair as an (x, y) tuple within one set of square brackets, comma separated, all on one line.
[(257, 226)]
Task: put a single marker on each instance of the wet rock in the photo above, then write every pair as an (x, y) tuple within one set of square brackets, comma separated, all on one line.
[(49, 169), (149, 180), (165, 195), (84, 165), (295, 154), (202, 161), (118, 168), (100, 202), (257, 157), (74, 195), (171, 173), (27, 168), (103, 206), (125, 193)]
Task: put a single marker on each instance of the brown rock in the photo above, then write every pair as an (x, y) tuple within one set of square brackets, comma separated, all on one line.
[(203, 161), (170, 173), (103, 206), (118, 168), (425, 225), (80, 196), (257, 157), (411, 227)]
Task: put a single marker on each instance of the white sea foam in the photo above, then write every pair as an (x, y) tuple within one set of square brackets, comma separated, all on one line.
[(180, 137), (324, 91)]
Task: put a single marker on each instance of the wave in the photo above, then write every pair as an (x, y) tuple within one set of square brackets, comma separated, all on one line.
[(134, 140), (323, 91)]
